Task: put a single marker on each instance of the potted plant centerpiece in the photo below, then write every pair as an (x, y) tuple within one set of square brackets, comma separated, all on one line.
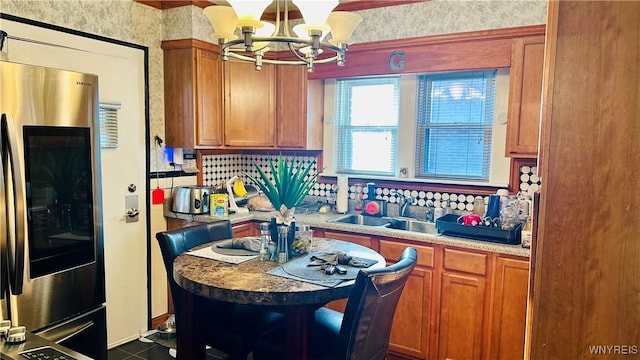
[(291, 184)]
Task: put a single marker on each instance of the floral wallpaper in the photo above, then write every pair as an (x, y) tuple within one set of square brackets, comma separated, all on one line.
[(143, 25)]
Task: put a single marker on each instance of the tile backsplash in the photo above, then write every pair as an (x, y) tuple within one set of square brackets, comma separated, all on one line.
[(218, 169)]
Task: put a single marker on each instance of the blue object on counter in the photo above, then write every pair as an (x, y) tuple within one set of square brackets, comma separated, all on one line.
[(493, 208)]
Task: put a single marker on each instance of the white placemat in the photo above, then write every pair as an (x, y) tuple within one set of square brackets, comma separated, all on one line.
[(210, 254)]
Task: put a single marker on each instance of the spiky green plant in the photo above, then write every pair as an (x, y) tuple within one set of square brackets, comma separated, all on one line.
[(290, 185)]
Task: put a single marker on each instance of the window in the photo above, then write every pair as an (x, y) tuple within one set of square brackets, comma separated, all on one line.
[(108, 118), (455, 115), (367, 125), (446, 128)]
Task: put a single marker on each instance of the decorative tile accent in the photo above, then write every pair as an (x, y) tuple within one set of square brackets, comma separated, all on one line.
[(218, 169), (529, 180)]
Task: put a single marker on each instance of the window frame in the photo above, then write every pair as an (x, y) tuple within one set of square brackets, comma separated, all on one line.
[(425, 125), (344, 127)]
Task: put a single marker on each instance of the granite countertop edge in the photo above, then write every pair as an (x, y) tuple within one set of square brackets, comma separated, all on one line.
[(318, 220)]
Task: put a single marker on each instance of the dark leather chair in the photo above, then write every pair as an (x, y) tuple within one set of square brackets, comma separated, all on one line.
[(231, 328), (363, 331)]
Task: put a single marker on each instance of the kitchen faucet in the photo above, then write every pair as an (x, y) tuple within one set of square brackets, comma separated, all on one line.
[(404, 201)]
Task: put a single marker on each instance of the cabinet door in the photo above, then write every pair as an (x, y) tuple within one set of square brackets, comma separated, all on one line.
[(175, 223), (209, 99), (509, 308), (411, 329), (411, 322), (192, 94), (249, 109), (291, 107), (244, 229), (461, 316), (525, 90)]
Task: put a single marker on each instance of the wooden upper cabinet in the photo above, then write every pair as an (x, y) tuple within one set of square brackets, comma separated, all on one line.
[(193, 94), (249, 105), (525, 90), (299, 124)]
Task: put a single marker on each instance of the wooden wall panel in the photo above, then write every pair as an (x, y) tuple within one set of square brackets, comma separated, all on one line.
[(587, 274)]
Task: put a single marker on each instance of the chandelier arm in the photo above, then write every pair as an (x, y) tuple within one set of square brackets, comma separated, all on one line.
[(281, 62), (295, 53)]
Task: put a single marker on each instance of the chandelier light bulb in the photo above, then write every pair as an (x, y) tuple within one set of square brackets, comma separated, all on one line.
[(249, 12), (315, 12), (342, 24), (223, 19)]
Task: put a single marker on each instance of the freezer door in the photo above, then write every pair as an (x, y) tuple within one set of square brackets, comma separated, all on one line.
[(86, 334)]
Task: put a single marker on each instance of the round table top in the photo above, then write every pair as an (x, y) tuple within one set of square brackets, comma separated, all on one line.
[(248, 282)]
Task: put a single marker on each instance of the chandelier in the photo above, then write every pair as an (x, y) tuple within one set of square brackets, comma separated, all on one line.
[(306, 46)]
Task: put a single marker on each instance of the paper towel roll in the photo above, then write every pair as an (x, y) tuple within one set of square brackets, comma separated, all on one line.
[(342, 202)]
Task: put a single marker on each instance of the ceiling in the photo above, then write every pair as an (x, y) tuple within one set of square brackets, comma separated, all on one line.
[(345, 5)]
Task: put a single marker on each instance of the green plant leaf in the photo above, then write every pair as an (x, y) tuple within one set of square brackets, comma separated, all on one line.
[(290, 184)]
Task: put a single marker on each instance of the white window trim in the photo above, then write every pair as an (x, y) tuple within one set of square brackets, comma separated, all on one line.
[(500, 165)]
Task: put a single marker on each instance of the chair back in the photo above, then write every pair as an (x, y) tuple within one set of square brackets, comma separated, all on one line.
[(175, 242), (366, 325)]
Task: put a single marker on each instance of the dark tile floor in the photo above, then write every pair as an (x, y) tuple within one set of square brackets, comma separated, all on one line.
[(137, 349)]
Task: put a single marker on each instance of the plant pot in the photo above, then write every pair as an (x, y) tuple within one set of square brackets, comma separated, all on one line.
[(291, 236)]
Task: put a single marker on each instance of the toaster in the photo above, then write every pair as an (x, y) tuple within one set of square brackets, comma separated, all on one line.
[(191, 199)]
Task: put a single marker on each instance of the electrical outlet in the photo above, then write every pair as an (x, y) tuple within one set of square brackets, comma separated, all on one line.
[(404, 172)]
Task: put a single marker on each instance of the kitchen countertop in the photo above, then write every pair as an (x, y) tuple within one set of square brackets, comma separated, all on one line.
[(318, 220)]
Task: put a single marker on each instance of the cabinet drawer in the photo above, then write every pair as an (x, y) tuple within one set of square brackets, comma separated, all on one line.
[(356, 239), (473, 263), (392, 250)]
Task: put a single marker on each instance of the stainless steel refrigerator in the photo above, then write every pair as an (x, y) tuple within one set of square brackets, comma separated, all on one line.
[(51, 238)]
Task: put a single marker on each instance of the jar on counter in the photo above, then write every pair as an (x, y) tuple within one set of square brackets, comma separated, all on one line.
[(304, 233)]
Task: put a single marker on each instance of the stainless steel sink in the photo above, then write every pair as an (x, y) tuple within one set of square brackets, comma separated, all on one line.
[(356, 219), (414, 225)]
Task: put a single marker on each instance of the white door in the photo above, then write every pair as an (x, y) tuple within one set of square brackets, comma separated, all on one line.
[(120, 71)]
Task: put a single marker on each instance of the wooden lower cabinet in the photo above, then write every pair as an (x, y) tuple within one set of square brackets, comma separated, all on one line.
[(461, 318), (174, 223), (245, 229), (411, 329), (363, 240), (511, 282)]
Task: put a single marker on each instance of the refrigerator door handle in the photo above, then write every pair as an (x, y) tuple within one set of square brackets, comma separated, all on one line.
[(10, 152), (78, 330), (3, 225)]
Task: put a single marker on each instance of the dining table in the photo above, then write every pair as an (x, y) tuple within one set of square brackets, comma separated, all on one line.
[(261, 283)]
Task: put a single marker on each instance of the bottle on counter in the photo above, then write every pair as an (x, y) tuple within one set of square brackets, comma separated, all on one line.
[(430, 215), (526, 233), (478, 206), (283, 248), (265, 237), (504, 197)]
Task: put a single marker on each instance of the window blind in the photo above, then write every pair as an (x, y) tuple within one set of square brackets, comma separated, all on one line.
[(109, 124), (366, 126), (455, 116)]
